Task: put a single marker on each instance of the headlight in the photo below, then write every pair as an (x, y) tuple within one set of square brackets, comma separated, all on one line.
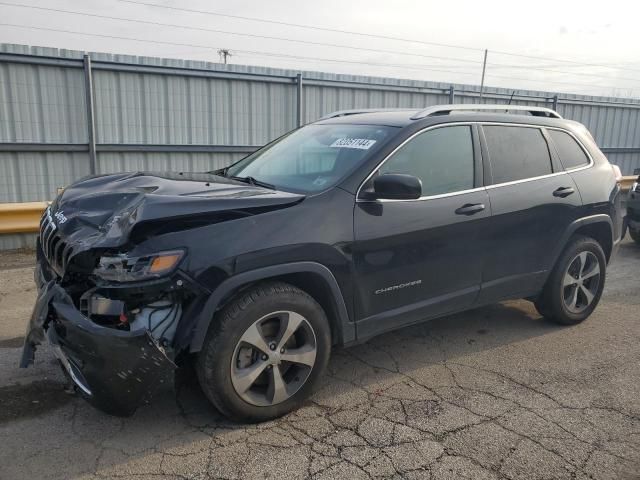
[(122, 268)]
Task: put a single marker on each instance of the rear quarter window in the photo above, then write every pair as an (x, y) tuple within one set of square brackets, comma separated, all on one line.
[(570, 152)]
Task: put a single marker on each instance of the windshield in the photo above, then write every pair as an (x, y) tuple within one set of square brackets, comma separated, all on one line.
[(312, 158)]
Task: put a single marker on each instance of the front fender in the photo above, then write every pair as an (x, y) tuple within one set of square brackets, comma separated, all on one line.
[(346, 333)]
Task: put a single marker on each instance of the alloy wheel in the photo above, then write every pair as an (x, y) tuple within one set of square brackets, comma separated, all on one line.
[(273, 358), (581, 282)]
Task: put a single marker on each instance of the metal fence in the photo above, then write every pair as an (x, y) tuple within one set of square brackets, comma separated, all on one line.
[(65, 114)]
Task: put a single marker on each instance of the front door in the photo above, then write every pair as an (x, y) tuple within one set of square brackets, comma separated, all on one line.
[(422, 258)]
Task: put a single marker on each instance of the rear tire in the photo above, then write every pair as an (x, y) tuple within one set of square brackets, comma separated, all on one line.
[(575, 285), (635, 235), (264, 352)]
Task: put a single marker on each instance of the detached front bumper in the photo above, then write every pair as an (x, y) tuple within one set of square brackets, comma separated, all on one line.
[(115, 370)]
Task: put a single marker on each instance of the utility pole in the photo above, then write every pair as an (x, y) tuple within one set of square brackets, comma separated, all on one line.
[(484, 69), (224, 54)]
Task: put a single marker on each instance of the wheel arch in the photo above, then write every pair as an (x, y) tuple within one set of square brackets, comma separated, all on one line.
[(599, 227), (312, 277)]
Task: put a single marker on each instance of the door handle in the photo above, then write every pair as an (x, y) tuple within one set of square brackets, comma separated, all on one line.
[(470, 209), (563, 192)]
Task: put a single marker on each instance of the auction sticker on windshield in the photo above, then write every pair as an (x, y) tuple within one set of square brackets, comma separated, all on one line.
[(359, 143)]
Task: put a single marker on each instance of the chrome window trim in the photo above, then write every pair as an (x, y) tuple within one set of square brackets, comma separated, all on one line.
[(488, 187), (525, 180), (426, 197)]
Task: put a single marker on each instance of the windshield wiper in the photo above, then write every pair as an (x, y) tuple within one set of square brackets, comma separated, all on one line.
[(254, 181)]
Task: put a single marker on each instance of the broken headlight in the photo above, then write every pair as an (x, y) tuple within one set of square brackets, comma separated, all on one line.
[(122, 268)]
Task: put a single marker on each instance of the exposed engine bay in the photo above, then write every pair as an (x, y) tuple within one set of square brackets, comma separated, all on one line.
[(160, 316)]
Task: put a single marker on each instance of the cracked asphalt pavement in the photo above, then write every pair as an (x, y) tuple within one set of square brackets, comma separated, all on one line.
[(497, 392)]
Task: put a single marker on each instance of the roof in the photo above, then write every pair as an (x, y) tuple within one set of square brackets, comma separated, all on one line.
[(446, 114)]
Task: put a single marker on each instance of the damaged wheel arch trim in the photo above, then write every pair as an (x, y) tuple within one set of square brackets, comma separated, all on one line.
[(228, 287)]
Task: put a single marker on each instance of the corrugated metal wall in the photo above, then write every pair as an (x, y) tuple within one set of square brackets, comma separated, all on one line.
[(142, 101), (181, 162), (42, 104), (162, 109), (33, 176)]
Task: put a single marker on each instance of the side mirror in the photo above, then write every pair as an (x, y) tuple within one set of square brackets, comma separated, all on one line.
[(396, 186)]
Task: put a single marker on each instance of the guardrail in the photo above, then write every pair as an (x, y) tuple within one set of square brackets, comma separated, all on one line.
[(25, 217), (627, 182), (21, 217)]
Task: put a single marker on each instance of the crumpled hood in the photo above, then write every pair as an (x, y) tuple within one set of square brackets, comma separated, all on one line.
[(102, 211)]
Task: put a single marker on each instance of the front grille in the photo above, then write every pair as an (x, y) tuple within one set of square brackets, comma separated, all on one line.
[(54, 248)]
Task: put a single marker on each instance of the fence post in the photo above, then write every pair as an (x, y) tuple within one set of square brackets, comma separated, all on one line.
[(452, 95), (554, 105), (91, 131), (299, 100)]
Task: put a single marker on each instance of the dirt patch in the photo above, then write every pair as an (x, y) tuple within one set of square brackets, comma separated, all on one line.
[(31, 400), (15, 342), (17, 296), (17, 259)]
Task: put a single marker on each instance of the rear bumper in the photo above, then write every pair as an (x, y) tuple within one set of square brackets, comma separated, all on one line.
[(115, 370)]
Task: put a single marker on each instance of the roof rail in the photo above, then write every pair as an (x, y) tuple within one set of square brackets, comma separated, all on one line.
[(355, 111), (447, 109)]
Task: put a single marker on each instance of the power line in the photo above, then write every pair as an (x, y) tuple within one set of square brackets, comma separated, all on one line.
[(564, 72), (288, 24), (307, 42), (356, 62), (209, 47), (269, 54), (371, 35), (239, 34), (419, 67), (572, 62)]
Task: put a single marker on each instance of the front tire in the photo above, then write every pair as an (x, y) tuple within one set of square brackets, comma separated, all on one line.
[(575, 285), (264, 352)]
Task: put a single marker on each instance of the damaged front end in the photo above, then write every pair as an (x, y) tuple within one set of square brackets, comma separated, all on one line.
[(118, 299), (113, 340)]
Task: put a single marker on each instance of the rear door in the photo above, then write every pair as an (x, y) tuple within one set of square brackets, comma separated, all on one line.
[(416, 259), (533, 201)]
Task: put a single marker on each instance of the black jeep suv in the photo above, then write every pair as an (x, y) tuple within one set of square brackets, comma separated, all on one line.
[(355, 225)]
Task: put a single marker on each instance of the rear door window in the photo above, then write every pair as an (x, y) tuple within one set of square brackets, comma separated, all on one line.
[(571, 154), (516, 153)]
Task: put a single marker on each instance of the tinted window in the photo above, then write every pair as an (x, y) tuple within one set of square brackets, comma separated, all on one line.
[(516, 153), (442, 158), (571, 154), (314, 157)]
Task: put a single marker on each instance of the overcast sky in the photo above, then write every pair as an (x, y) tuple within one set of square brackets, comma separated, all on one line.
[(565, 34)]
